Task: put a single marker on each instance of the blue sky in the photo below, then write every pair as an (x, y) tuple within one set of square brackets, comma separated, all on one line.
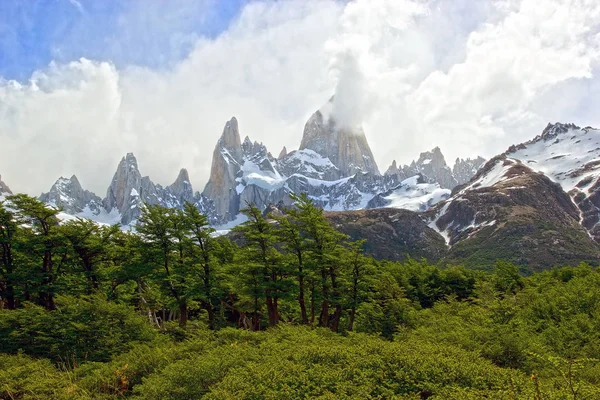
[(156, 33)]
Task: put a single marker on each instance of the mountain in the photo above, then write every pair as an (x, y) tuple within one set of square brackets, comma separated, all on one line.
[(67, 194), (432, 165), (4, 189), (334, 166), (570, 156), (345, 148), (128, 192), (535, 205), (509, 211), (391, 234)]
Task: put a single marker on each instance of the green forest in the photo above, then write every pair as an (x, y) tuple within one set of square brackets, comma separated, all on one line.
[(283, 307)]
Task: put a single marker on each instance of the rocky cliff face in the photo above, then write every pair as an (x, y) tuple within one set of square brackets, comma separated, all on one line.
[(227, 161), (68, 195), (391, 234), (432, 166), (4, 189), (570, 156), (464, 169), (508, 211), (346, 149)]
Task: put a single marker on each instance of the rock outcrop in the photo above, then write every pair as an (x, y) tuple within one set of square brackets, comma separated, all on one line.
[(4, 189), (391, 234), (432, 165), (226, 163), (510, 212), (464, 169), (347, 149), (68, 195)]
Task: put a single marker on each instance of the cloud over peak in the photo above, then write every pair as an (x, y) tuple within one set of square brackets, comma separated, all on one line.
[(470, 79)]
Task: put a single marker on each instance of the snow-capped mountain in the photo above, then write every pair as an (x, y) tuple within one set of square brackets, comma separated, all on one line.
[(127, 193), (570, 156), (335, 167), (432, 165), (536, 204), (67, 194)]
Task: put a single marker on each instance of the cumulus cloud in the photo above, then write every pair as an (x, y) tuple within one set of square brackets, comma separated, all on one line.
[(472, 79)]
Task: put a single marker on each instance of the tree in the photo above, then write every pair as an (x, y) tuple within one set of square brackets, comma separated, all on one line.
[(8, 230), (92, 244), (44, 240), (158, 233), (203, 249), (323, 243), (264, 261), (289, 233), (357, 264)]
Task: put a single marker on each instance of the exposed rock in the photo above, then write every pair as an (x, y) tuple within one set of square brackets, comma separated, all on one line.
[(432, 165), (465, 169), (282, 153), (347, 149), (4, 189), (226, 163), (391, 234), (508, 211), (123, 194), (568, 155), (181, 189), (68, 195)]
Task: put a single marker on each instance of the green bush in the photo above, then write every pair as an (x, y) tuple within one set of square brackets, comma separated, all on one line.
[(79, 329)]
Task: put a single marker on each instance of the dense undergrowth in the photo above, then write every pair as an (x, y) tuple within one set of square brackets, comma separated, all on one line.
[(290, 310)]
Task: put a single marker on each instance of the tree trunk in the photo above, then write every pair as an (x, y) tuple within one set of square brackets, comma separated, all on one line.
[(312, 304), (324, 317), (335, 324), (303, 315), (351, 319), (271, 311), (183, 315), (46, 299)]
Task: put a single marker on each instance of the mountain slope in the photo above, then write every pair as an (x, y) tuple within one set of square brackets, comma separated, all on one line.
[(570, 156), (508, 211)]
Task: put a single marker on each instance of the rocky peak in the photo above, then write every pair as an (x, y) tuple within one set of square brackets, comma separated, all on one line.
[(433, 165), (4, 189), (228, 157), (253, 150), (229, 143), (553, 130), (465, 169), (347, 149), (125, 184), (182, 188), (392, 169), (67, 194), (282, 153)]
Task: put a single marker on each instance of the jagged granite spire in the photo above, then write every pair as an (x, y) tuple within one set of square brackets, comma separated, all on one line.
[(126, 183), (464, 170), (226, 163), (67, 194), (182, 188), (282, 153), (4, 189), (346, 149)]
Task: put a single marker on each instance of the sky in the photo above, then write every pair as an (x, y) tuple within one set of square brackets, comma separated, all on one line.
[(83, 82)]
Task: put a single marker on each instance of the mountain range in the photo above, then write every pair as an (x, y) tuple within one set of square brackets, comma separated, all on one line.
[(536, 203)]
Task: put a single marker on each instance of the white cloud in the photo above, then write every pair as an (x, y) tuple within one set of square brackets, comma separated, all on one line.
[(469, 78)]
